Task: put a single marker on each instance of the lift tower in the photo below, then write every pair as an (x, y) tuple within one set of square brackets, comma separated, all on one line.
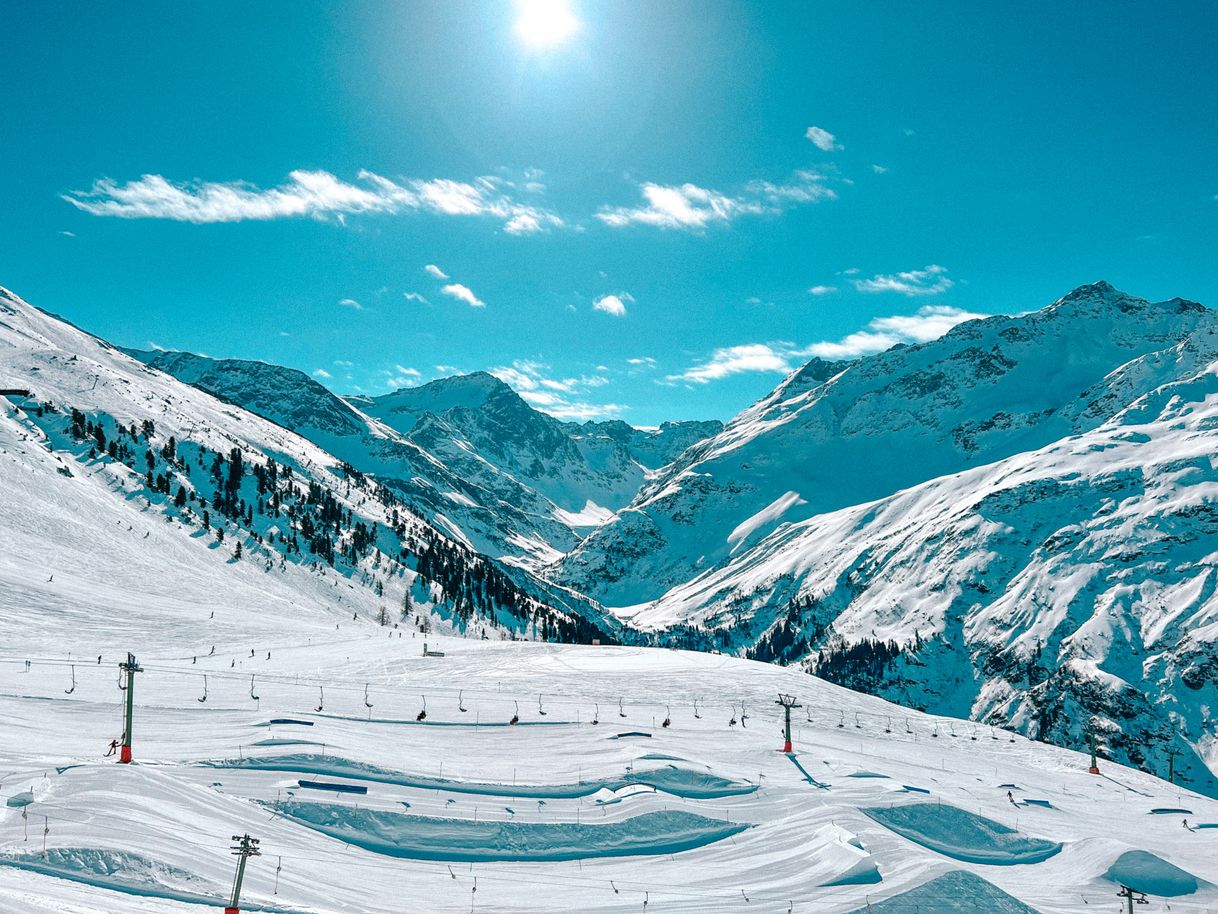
[(788, 702)]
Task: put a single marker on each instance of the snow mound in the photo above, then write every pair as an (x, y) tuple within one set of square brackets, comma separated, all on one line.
[(1143, 871), (962, 835), (119, 871), (413, 837), (949, 893), (841, 851), (680, 782)]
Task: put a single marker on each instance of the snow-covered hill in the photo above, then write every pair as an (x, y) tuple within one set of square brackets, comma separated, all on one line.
[(466, 452), (104, 449), (1064, 588), (840, 434)]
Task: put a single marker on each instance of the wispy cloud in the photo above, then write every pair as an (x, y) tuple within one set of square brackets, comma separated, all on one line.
[(563, 398), (322, 374), (928, 323), (694, 208), (822, 139), (879, 169), (822, 290), (434, 271), (613, 304), (352, 304), (463, 293), (730, 360), (68, 234), (317, 194), (645, 361), (415, 296), (930, 280)]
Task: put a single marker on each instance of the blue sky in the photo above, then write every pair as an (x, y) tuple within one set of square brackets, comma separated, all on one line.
[(652, 216)]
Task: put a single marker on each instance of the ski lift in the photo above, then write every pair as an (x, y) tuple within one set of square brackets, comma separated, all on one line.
[(743, 716), (321, 699), (73, 689), (596, 716), (697, 713), (621, 712), (907, 727), (204, 698), (732, 722), (888, 725), (422, 715), (252, 694), (667, 717), (951, 729), (808, 712), (461, 701), (540, 709), (367, 703), (935, 732), (842, 722), (121, 687), (857, 725), (973, 735), (516, 716)]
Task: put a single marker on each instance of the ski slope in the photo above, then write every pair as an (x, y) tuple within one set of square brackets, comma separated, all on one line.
[(556, 813)]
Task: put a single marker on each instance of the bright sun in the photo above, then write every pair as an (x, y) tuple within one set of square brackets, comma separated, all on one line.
[(544, 23)]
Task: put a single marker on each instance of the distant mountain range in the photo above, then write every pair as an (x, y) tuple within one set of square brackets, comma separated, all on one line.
[(1016, 522)]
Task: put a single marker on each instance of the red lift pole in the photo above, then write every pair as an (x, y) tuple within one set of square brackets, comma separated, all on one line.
[(245, 848), (130, 668), (788, 702)]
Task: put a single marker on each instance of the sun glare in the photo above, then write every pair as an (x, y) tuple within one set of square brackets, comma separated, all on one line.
[(544, 23)]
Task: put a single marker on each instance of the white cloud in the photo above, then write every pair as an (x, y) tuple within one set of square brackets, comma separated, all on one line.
[(68, 234), (352, 304), (317, 194), (321, 373), (434, 271), (930, 280), (415, 296), (928, 323), (879, 169), (822, 139), (693, 208), (613, 304), (731, 360), (674, 206), (560, 397), (642, 362), (822, 290), (463, 293), (344, 363)]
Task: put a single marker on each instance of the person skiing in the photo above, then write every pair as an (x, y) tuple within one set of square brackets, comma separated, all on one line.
[(113, 748), (1010, 798)]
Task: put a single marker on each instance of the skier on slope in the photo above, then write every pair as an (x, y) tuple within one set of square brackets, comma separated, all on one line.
[(113, 748)]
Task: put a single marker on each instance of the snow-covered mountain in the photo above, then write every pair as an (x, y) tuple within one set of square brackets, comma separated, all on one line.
[(840, 434), (466, 452), (1055, 571), (1014, 523), (103, 448)]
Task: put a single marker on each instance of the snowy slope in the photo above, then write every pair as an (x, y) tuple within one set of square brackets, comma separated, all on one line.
[(1057, 589), (878, 805), (840, 434), (157, 460), (466, 452)]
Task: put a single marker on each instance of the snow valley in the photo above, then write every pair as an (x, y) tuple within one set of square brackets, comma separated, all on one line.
[(1006, 535)]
